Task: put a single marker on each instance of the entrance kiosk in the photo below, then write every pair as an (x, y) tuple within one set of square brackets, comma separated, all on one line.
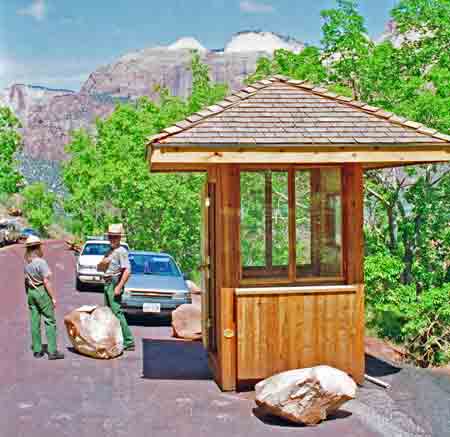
[(283, 221)]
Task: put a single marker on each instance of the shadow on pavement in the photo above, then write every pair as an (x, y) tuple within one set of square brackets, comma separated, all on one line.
[(174, 359), (377, 368), (269, 419)]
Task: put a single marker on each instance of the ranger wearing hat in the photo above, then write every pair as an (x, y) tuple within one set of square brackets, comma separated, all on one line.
[(41, 299), (116, 266)]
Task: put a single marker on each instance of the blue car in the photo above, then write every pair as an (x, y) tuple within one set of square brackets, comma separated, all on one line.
[(156, 285)]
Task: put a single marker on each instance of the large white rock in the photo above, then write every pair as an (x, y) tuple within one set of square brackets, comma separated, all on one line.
[(305, 395), (95, 331)]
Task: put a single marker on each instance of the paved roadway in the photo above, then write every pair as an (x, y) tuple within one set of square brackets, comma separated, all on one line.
[(165, 388)]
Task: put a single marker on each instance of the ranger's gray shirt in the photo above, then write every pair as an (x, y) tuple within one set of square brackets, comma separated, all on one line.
[(118, 260), (36, 271)]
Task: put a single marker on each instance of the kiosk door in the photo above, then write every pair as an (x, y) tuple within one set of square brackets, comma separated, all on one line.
[(208, 267)]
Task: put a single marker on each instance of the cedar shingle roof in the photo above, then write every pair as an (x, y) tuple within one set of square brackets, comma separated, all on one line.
[(279, 111)]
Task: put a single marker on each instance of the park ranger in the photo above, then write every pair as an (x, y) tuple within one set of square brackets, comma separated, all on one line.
[(116, 266), (41, 299)]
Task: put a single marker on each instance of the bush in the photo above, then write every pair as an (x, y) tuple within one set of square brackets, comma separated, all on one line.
[(382, 274), (39, 206), (421, 322)]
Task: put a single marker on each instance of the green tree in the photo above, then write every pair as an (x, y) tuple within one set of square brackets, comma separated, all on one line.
[(425, 25), (346, 45), (39, 206), (204, 91), (306, 65), (10, 141), (109, 179)]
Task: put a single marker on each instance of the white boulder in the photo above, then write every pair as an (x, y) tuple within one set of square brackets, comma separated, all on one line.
[(95, 332), (305, 395), (187, 321)]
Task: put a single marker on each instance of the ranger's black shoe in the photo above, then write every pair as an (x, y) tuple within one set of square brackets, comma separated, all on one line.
[(129, 348), (56, 356), (38, 354)]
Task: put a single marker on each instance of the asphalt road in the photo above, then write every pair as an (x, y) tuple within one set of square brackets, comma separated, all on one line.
[(164, 388)]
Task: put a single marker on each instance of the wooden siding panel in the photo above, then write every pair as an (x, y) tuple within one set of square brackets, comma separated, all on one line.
[(282, 332)]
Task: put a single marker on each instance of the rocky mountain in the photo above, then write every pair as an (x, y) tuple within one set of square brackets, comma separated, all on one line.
[(20, 97), (392, 34), (48, 116)]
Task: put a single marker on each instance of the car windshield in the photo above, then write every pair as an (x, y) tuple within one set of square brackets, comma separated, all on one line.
[(98, 248), (153, 265)]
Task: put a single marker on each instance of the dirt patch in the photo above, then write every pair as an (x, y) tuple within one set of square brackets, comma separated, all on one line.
[(384, 350)]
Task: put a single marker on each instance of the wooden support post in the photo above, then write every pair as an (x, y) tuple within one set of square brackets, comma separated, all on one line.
[(227, 272), (353, 202)]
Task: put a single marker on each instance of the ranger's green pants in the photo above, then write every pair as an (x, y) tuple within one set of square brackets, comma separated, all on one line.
[(41, 305), (113, 302)]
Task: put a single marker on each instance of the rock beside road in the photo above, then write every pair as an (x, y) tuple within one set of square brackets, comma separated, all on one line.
[(305, 396), (187, 322), (95, 332), (187, 319)]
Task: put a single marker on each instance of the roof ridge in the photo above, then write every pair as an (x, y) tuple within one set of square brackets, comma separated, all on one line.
[(244, 93)]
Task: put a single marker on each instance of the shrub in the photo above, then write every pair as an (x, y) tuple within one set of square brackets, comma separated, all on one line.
[(421, 322), (382, 274)]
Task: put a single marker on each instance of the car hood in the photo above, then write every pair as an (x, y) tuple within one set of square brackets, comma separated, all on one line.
[(89, 260), (156, 283)]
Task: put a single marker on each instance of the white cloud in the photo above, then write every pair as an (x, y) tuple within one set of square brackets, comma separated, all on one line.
[(256, 7), (37, 9)]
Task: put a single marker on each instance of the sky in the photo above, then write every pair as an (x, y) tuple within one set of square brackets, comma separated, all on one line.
[(57, 43)]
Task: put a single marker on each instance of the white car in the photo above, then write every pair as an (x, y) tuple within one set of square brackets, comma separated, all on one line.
[(91, 254)]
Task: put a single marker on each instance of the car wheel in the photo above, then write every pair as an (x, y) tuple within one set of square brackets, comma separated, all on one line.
[(80, 286)]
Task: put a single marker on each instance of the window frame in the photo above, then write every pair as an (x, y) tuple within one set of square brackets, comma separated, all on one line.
[(292, 277)]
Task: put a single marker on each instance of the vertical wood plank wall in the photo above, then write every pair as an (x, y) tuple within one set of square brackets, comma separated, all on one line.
[(279, 332)]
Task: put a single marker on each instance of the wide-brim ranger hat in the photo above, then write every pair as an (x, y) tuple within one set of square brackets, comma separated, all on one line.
[(116, 229), (32, 240)]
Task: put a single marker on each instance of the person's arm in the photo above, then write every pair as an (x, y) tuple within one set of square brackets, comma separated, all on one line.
[(123, 280), (49, 287), (46, 274)]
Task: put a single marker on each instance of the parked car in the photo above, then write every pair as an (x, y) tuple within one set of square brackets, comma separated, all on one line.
[(91, 254), (156, 284), (9, 232), (26, 232)]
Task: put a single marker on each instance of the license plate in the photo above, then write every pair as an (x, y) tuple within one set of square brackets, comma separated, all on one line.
[(151, 308)]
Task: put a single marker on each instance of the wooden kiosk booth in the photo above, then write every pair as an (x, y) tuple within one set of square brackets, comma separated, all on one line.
[(283, 221)]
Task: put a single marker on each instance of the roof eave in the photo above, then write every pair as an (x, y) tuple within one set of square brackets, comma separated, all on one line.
[(292, 146)]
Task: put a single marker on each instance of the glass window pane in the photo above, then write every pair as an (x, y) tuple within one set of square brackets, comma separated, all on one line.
[(280, 219), (253, 247), (265, 223), (303, 217), (319, 223)]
